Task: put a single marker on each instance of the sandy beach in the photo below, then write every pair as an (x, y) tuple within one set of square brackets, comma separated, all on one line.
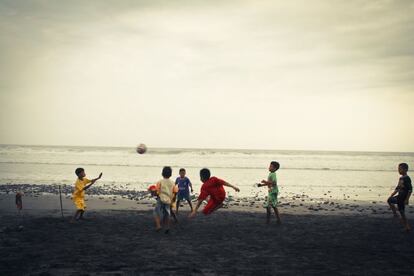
[(119, 239), (300, 105)]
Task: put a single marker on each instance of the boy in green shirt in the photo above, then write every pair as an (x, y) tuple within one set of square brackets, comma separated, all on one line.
[(271, 184)]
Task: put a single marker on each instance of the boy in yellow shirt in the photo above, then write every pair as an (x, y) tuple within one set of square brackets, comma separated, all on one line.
[(78, 196), (166, 190)]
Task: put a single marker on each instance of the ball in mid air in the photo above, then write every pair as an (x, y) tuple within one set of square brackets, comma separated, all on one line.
[(141, 148)]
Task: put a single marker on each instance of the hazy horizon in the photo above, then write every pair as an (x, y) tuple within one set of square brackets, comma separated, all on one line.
[(277, 75), (133, 147)]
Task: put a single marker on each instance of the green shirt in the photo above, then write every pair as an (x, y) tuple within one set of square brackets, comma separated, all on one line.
[(272, 177)]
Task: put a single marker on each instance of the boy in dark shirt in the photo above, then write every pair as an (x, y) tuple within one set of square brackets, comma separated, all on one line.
[(401, 195)]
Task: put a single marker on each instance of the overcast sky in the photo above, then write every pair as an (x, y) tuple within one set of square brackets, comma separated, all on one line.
[(312, 75)]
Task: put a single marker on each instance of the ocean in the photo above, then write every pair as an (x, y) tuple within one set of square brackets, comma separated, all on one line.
[(368, 176)]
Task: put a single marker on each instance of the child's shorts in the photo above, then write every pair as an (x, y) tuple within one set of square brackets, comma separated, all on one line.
[(80, 204), (271, 200), (212, 205), (162, 210), (400, 203), (183, 195)]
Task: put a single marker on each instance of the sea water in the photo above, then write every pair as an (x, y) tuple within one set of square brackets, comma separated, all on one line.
[(318, 174)]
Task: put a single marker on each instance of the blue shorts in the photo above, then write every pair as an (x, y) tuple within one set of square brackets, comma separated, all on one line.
[(162, 210), (184, 194), (400, 203)]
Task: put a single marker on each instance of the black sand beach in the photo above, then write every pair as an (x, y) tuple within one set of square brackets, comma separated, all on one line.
[(234, 241)]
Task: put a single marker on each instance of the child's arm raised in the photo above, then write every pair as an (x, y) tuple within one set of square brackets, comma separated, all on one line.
[(231, 186), (92, 182)]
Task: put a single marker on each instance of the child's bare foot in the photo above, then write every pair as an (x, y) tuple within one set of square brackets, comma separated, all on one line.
[(158, 229)]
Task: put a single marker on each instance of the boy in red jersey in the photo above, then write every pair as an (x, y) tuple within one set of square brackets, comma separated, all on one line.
[(213, 187)]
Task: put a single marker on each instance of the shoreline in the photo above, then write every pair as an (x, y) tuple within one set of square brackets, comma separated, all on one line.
[(43, 203)]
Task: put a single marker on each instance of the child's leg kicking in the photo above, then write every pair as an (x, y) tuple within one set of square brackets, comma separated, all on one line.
[(212, 205), (391, 201)]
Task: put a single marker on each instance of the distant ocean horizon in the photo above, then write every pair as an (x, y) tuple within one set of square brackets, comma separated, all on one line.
[(218, 149), (365, 175)]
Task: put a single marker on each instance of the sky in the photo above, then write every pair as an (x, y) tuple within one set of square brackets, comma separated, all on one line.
[(294, 75)]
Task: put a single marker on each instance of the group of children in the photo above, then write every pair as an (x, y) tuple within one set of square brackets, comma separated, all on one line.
[(169, 194)]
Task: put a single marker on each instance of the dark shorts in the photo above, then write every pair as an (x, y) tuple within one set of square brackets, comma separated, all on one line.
[(183, 195), (400, 203)]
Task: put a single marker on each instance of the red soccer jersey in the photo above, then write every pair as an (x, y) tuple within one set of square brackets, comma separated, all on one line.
[(213, 187)]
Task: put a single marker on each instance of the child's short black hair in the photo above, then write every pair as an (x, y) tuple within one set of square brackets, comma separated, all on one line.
[(78, 171), (275, 164), (182, 170), (166, 172), (403, 166), (205, 174)]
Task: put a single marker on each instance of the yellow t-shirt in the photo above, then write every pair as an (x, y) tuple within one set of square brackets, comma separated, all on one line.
[(79, 193), (166, 190)]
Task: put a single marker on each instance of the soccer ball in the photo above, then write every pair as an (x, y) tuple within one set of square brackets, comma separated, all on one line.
[(141, 148)]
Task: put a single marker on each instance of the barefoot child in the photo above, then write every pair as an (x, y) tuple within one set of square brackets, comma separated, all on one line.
[(404, 190), (78, 196), (154, 193), (184, 185), (271, 184), (213, 187), (165, 189)]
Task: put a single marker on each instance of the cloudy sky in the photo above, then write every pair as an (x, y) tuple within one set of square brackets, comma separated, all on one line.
[(313, 75)]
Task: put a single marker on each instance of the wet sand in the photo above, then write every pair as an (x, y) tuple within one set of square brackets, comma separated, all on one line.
[(119, 239)]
